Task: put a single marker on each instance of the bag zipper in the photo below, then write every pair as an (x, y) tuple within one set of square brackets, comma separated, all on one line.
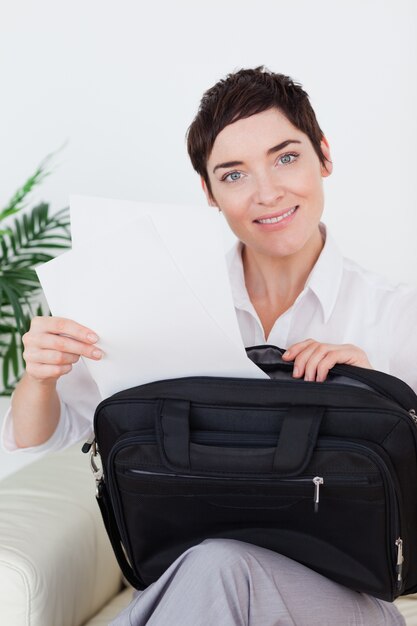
[(317, 480), (393, 492)]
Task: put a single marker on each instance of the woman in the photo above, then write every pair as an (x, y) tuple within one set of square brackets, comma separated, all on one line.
[(262, 158)]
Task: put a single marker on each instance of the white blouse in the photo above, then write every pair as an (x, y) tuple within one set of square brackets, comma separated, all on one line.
[(340, 303)]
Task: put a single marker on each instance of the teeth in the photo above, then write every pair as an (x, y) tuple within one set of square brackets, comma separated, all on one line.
[(274, 220)]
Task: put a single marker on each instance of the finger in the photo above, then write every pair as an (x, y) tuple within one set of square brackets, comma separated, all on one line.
[(302, 358), (326, 365), (59, 343), (50, 357), (296, 348), (64, 326), (315, 358), (42, 371)]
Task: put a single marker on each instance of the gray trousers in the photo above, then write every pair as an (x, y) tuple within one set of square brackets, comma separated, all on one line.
[(223, 582)]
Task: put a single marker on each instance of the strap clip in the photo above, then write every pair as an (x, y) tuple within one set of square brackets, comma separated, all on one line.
[(95, 468)]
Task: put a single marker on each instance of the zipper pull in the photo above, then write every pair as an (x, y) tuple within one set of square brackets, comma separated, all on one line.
[(318, 480), (413, 415), (400, 560)]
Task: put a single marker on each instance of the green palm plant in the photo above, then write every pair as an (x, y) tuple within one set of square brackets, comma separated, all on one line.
[(33, 238)]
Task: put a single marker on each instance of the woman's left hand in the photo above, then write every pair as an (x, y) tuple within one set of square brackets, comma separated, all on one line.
[(313, 359)]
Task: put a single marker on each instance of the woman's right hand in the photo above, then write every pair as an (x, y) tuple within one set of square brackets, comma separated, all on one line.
[(53, 344)]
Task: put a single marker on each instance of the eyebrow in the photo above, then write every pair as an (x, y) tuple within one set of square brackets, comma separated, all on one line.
[(272, 150)]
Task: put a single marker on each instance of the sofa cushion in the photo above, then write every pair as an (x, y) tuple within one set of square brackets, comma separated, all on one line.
[(56, 562), (113, 608)]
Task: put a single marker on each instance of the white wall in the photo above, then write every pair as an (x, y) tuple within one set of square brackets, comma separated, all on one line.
[(122, 81)]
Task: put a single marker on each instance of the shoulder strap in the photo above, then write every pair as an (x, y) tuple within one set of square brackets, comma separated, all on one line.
[(110, 524)]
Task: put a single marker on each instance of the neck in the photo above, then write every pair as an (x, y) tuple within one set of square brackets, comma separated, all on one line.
[(273, 283)]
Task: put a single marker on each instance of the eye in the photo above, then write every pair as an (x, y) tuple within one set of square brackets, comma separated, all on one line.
[(285, 159), (231, 177)]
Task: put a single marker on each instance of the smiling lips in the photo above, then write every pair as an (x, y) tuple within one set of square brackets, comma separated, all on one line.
[(277, 218)]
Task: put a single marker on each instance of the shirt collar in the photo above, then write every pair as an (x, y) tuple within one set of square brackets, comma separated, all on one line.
[(237, 277), (326, 275), (324, 279)]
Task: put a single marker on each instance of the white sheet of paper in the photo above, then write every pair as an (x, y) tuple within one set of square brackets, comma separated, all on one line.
[(192, 235), (150, 323)]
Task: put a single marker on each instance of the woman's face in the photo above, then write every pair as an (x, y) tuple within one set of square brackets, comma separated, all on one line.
[(267, 180)]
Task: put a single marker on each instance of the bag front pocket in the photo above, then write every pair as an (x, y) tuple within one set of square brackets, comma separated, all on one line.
[(330, 523)]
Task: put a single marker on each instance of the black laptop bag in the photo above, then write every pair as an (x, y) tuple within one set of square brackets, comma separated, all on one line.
[(324, 473)]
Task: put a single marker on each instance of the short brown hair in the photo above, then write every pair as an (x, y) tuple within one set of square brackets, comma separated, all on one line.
[(244, 93)]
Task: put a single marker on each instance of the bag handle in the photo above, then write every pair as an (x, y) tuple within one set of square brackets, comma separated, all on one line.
[(269, 359), (292, 453)]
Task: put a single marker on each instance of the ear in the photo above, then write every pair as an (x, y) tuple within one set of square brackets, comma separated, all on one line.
[(327, 169), (211, 201)]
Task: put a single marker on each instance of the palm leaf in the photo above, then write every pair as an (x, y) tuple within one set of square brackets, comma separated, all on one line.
[(16, 203), (33, 234), (32, 239)]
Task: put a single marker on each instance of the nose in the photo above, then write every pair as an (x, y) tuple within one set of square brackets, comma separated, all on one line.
[(268, 189)]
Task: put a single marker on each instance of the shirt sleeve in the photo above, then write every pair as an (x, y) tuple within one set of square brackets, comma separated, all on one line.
[(402, 335), (79, 396)]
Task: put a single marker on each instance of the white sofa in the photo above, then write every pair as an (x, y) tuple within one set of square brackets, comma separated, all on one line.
[(56, 564)]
